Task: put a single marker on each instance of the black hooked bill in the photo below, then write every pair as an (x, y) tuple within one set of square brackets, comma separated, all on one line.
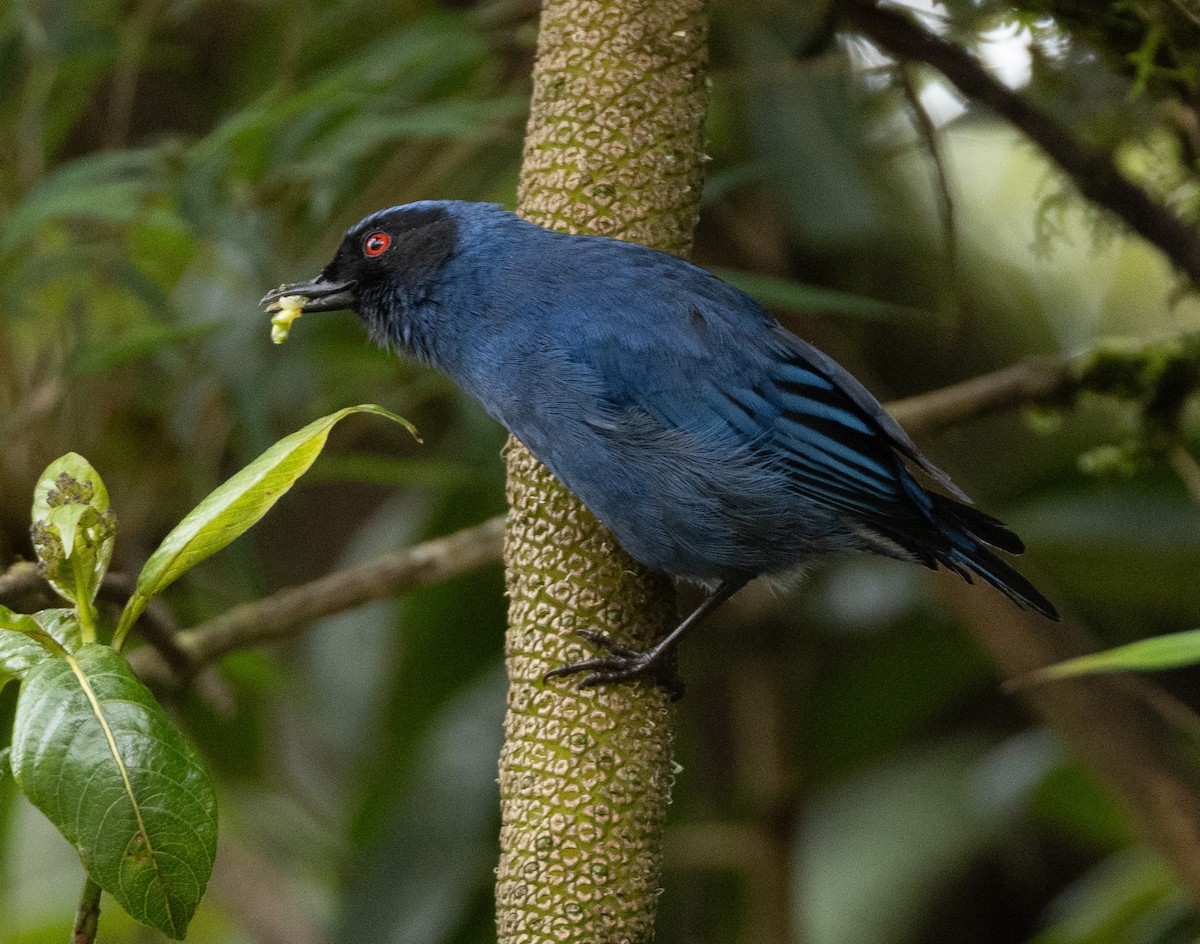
[(288, 302)]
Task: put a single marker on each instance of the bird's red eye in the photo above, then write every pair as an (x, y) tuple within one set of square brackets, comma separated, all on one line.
[(376, 244)]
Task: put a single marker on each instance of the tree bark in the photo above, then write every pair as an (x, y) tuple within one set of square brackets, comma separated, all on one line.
[(614, 147)]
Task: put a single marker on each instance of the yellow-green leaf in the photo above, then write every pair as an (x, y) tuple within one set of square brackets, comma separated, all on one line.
[(73, 528), (1171, 651), (233, 507), (27, 640)]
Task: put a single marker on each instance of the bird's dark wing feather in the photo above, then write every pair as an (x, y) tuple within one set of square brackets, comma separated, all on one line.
[(723, 366), (709, 367), (809, 428), (829, 402), (698, 356), (869, 408)]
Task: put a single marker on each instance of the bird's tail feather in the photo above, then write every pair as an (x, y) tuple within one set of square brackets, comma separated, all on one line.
[(954, 516), (1000, 575), (969, 530)]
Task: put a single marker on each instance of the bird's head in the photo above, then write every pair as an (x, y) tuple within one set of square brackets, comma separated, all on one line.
[(387, 262)]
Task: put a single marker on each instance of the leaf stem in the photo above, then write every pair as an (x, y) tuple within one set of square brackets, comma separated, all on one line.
[(133, 609), (87, 915), (83, 608)]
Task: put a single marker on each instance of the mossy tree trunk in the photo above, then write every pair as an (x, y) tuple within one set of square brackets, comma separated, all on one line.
[(614, 147)]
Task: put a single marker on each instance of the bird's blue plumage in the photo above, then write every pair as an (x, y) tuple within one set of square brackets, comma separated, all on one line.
[(713, 443)]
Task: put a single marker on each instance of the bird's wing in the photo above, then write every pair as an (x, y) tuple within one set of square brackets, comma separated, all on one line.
[(851, 404), (702, 366), (833, 447)]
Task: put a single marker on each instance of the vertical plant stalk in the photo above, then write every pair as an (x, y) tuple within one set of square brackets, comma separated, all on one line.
[(614, 147)]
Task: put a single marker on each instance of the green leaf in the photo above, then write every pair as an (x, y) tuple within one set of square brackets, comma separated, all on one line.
[(73, 528), (1172, 651), (234, 507), (1132, 898), (19, 623), (33, 639), (94, 751), (19, 650), (5, 763), (62, 625), (23, 655), (30, 640)]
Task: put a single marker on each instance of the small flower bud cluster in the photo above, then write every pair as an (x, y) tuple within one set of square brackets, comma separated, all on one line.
[(69, 490), (47, 541), (49, 548)]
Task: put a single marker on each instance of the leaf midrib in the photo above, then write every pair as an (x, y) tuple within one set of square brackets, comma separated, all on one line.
[(86, 687)]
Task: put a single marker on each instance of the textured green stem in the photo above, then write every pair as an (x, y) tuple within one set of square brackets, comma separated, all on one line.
[(615, 147)]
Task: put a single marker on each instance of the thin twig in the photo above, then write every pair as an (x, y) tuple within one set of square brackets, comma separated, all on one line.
[(156, 623), (1188, 9), (1092, 171), (1034, 382), (34, 97), (281, 614), (22, 584), (941, 174), (124, 84)]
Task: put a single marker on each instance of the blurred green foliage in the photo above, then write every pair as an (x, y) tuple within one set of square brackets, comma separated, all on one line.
[(850, 769)]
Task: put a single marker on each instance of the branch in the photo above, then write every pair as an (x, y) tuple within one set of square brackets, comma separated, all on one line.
[(1034, 382), (1042, 381), (927, 131), (1091, 170), (282, 614), (23, 588)]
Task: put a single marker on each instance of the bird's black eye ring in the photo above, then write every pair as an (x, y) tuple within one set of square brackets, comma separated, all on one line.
[(376, 244)]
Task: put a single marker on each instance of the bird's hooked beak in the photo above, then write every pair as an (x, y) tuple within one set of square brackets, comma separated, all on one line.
[(319, 295)]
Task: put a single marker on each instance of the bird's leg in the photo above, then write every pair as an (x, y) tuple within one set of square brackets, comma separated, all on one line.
[(621, 664)]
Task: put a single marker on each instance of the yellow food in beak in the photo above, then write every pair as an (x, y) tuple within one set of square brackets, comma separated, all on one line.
[(291, 307)]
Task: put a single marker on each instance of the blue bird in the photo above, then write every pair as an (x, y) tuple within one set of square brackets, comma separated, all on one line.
[(715, 445)]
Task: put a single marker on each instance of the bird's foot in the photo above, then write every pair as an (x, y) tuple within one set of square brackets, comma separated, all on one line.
[(621, 664)]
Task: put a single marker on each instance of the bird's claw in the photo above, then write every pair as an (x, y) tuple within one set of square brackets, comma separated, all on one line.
[(621, 664)]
